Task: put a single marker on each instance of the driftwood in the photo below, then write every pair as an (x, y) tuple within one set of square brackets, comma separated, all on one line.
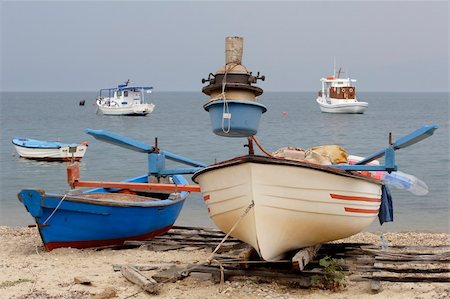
[(145, 267), (135, 276), (304, 256)]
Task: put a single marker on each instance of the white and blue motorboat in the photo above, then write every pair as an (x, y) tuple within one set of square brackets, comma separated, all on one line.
[(49, 150), (124, 100)]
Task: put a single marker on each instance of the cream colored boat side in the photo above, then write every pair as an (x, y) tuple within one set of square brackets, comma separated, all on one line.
[(295, 204)]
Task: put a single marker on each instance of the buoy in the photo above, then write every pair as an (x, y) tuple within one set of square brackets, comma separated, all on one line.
[(284, 113)]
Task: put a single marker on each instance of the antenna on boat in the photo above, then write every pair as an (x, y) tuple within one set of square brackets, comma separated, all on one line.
[(334, 66)]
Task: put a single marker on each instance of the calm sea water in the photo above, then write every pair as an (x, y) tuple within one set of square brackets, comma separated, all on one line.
[(182, 127)]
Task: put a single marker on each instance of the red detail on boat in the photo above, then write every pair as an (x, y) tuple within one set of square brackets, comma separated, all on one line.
[(355, 210), (105, 243), (360, 198), (206, 197)]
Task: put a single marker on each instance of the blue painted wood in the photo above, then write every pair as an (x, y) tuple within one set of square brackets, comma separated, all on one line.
[(91, 223), (405, 141), (156, 161), (33, 143), (389, 152), (121, 141)]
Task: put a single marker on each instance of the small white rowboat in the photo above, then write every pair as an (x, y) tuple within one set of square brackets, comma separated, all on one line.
[(49, 150)]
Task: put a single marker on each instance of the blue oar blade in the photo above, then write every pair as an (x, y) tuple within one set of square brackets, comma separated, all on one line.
[(120, 140), (405, 141), (414, 137)]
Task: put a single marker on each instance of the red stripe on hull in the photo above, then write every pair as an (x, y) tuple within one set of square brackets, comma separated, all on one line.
[(105, 243), (354, 210), (359, 198)]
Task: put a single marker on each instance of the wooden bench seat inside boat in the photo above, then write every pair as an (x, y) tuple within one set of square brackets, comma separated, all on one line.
[(119, 197)]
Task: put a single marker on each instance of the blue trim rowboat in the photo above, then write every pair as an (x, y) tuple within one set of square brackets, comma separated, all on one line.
[(99, 218)]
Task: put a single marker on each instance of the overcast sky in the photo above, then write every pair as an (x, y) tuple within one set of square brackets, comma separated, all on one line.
[(71, 46)]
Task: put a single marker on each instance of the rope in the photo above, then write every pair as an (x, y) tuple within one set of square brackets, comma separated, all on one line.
[(54, 211), (261, 147), (250, 206), (226, 109)]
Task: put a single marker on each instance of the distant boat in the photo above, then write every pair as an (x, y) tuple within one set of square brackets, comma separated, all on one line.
[(49, 150), (338, 95), (124, 100)]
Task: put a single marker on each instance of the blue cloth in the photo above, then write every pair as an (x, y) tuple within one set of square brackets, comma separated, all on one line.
[(386, 213)]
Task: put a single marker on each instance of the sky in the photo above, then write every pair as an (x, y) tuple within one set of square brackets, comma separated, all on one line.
[(172, 45)]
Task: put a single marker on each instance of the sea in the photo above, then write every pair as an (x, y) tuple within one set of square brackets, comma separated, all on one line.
[(183, 127)]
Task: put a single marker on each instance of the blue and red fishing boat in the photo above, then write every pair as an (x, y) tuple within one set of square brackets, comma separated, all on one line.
[(136, 209)]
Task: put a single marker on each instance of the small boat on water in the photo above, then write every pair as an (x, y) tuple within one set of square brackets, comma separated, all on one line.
[(338, 95), (136, 209), (124, 100), (49, 150)]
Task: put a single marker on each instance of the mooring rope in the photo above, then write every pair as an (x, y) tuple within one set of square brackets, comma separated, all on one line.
[(226, 109), (250, 206), (54, 211), (261, 147)]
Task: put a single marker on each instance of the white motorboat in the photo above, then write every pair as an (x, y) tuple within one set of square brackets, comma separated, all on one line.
[(49, 150), (289, 204), (124, 100), (338, 95)]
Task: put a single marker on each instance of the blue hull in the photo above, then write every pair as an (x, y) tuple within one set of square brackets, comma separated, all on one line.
[(80, 222)]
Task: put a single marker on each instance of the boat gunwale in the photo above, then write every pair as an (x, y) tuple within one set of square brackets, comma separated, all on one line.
[(151, 203), (61, 145), (281, 161)]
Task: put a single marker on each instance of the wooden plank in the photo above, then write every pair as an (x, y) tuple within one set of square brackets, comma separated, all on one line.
[(304, 256), (401, 270), (138, 186), (135, 276), (145, 267)]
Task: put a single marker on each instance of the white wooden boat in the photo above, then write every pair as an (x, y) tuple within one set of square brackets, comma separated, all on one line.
[(124, 100), (338, 95), (49, 150), (296, 204)]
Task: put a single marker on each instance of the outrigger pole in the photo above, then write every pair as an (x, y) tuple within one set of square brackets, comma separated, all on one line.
[(389, 152), (156, 166)]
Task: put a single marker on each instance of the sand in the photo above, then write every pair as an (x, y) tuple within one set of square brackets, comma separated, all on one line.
[(28, 271)]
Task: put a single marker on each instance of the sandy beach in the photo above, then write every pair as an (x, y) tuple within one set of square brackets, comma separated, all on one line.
[(29, 271)]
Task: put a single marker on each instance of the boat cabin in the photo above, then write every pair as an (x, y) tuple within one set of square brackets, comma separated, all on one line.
[(125, 95), (338, 88)]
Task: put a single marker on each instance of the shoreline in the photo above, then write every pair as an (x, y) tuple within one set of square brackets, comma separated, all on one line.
[(29, 271)]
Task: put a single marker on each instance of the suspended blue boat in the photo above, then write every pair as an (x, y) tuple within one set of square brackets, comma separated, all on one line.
[(106, 217)]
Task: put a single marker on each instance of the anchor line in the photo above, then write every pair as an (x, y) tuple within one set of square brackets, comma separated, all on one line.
[(250, 206), (54, 211), (261, 147)]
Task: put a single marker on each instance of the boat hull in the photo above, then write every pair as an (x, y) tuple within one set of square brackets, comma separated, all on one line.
[(295, 204), (340, 106), (51, 154), (81, 221), (132, 110)]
